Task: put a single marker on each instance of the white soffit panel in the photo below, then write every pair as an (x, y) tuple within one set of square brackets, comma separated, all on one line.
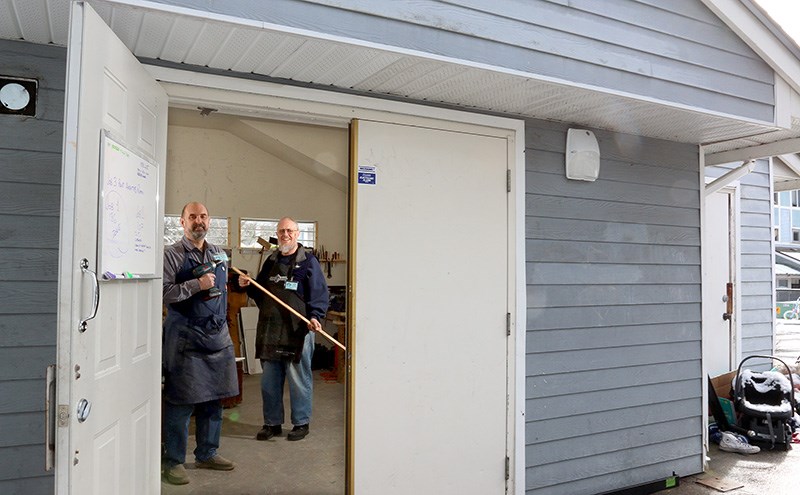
[(34, 20), (59, 21), (176, 44), (155, 31), (127, 25), (8, 21), (185, 36)]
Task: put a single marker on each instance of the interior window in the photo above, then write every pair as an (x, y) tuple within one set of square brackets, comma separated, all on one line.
[(250, 229), (217, 230)]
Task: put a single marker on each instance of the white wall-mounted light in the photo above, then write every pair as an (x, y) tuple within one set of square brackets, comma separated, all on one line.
[(582, 155)]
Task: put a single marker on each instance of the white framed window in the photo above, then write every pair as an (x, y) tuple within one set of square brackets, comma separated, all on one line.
[(250, 229), (218, 232)]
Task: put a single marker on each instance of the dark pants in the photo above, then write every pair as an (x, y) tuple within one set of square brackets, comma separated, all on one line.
[(208, 426)]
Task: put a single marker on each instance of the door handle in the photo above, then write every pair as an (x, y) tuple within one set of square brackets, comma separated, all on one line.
[(726, 316), (95, 294), (83, 410), (50, 418)]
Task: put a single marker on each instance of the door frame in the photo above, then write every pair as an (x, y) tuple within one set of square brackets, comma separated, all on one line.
[(259, 99), (734, 246)]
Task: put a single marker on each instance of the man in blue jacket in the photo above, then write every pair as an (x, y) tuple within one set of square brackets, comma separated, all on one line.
[(285, 343), (198, 358)]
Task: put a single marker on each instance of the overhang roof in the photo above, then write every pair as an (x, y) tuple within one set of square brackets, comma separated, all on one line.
[(781, 269), (173, 34)]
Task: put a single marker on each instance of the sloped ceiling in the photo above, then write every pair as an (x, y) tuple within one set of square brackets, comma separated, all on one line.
[(275, 139)]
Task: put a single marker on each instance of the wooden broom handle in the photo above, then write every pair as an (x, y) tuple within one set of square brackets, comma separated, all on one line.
[(270, 294)]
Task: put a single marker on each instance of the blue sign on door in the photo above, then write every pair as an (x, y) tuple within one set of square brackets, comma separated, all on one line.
[(367, 174)]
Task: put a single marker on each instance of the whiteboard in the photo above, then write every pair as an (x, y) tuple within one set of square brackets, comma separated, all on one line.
[(128, 213)]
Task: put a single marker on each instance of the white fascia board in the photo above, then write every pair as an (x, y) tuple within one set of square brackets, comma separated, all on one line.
[(787, 146), (759, 38)]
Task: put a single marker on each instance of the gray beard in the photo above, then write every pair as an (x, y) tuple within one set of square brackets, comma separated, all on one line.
[(198, 235), (285, 248)]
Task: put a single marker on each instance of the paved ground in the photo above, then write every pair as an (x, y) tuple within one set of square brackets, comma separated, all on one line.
[(775, 472), (787, 340)]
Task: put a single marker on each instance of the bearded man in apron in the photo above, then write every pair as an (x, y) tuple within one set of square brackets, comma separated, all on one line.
[(198, 358), (284, 343)]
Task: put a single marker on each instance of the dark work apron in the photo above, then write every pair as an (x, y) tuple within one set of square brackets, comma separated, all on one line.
[(198, 357), (280, 334)]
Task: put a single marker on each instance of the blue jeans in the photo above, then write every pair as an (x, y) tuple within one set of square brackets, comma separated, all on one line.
[(208, 427), (300, 387)]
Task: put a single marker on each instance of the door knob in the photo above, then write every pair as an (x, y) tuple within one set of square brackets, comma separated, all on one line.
[(84, 408)]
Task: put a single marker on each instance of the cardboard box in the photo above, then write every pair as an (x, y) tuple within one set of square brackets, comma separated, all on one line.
[(722, 384)]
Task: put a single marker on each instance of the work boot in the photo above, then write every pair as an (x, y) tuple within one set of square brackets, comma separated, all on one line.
[(299, 432), (217, 462), (268, 432), (176, 475)]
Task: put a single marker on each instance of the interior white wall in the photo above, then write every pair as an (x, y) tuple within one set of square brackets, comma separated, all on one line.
[(237, 179)]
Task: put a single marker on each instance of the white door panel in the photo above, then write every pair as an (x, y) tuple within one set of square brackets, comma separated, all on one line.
[(431, 297), (719, 345), (116, 363)]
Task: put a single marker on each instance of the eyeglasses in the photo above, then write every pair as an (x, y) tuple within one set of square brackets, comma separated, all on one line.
[(286, 231)]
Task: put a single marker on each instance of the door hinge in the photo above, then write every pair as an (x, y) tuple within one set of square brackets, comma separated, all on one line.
[(508, 324), (508, 180), (508, 468)]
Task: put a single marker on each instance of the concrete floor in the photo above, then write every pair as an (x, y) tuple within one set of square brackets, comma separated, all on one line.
[(770, 472), (312, 466)]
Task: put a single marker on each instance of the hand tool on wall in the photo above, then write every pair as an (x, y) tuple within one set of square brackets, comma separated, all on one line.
[(291, 309), (266, 245)]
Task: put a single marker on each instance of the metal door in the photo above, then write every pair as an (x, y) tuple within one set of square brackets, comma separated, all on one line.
[(430, 350)]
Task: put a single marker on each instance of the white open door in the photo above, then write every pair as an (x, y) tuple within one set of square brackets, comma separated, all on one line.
[(429, 236), (114, 366), (719, 348)]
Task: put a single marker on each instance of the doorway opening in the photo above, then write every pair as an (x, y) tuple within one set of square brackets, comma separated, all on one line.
[(250, 171)]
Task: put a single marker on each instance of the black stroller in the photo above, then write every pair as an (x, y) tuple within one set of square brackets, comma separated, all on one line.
[(765, 403)]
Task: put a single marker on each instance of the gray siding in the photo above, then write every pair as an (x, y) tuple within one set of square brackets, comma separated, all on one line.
[(613, 358), (676, 51), (30, 189), (755, 234)]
